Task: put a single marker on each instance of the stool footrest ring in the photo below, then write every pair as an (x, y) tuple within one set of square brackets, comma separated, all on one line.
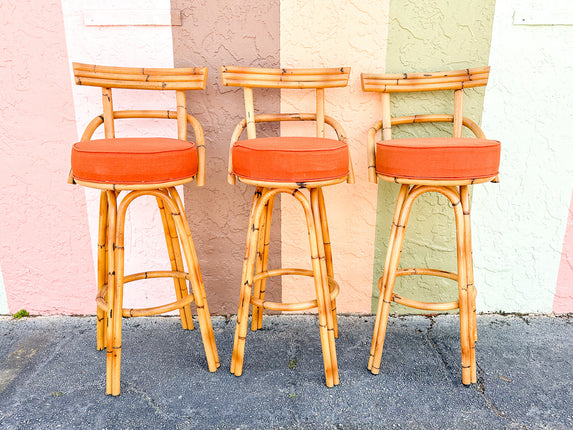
[(426, 306), (127, 312), (299, 306)]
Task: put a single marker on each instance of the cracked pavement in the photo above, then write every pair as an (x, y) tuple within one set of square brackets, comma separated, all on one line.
[(52, 377)]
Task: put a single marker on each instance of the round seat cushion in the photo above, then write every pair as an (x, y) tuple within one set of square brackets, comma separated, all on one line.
[(134, 160), (438, 158), (290, 159)]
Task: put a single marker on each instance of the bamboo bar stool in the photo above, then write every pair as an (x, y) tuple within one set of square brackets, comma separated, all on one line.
[(142, 167), (445, 165), (288, 165)]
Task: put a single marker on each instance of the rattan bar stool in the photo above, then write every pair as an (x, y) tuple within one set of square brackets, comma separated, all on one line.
[(142, 167), (288, 165), (435, 164)]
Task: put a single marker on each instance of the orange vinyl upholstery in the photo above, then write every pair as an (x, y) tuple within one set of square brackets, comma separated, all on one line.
[(134, 160), (290, 159), (438, 158)]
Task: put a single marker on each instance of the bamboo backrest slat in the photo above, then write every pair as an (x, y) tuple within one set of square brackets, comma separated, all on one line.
[(285, 78), (410, 82), (191, 78)]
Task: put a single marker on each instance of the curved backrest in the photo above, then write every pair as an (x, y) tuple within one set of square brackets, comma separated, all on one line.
[(409, 82), (161, 79), (315, 78), (193, 78), (254, 77), (456, 80)]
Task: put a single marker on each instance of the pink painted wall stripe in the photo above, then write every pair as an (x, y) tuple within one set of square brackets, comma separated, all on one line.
[(45, 247), (563, 300)]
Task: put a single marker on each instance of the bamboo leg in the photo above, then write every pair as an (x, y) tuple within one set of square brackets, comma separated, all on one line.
[(318, 283), (321, 282), (384, 278), (174, 251), (388, 288), (197, 285), (472, 323), (114, 316), (257, 208), (262, 263), (327, 253), (463, 294), (102, 255)]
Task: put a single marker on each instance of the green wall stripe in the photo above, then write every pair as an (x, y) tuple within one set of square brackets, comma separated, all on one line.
[(428, 36)]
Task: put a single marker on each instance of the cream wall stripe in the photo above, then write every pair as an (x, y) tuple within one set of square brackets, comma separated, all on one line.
[(520, 223), (344, 33), (137, 46)]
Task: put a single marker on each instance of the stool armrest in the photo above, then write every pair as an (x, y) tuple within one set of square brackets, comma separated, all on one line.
[(341, 135), (371, 152), (200, 145), (159, 114)]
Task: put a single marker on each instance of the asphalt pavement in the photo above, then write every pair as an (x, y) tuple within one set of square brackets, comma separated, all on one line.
[(51, 376)]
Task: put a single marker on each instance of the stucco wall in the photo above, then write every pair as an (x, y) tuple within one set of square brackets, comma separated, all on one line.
[(522, 227)]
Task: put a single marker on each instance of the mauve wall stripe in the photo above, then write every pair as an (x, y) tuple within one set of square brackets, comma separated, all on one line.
[(215, 33)]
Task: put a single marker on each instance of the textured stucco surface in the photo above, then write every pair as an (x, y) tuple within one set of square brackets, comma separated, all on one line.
[(216, 33), (131, 46), (425, 37), (44, 248), (351, 33), (519, 225)]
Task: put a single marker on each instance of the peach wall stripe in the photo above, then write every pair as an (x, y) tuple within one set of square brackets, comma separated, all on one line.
[(44, 239), (563, 301), (354, 33)]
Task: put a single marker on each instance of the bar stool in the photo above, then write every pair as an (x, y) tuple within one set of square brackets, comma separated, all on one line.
[(445, 165), (288, 165), (146, 166)]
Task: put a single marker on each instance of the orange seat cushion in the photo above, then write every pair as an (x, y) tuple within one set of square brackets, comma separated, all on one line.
[(290, 159), (438, 158), (134, 160)]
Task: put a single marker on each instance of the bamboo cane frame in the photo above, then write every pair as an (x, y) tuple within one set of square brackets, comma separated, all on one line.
[(255, 270), (194, 78), (261, 266), (171, 205), (455, 190), (387, 282), (102, 256), (111, 277), (174, 252), (322, 285)]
